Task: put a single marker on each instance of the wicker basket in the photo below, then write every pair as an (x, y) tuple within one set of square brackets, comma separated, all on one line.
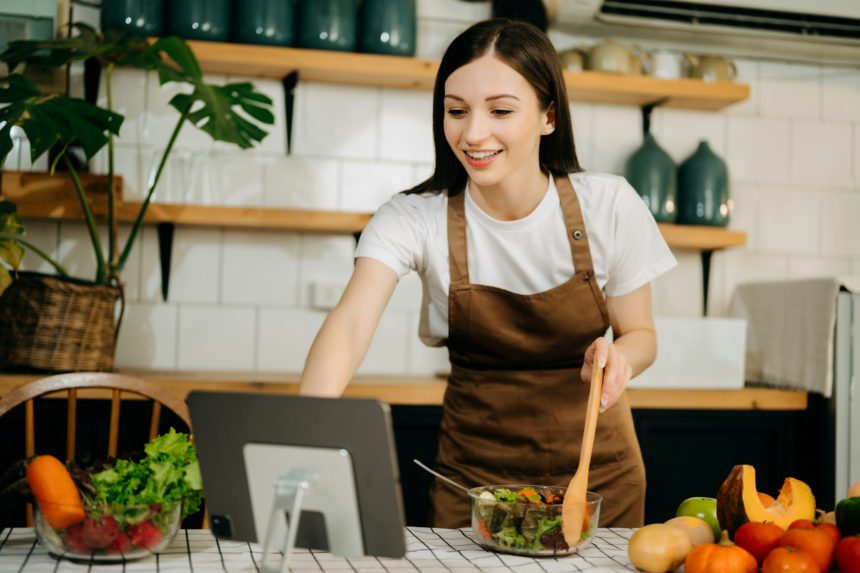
[(53, 324)]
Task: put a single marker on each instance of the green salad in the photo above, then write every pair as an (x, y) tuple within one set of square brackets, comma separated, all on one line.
[(526, 519)]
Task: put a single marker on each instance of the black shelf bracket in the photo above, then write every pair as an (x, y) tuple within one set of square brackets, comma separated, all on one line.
[(706, 277), (646, 113), (289, 82), (165, 251)]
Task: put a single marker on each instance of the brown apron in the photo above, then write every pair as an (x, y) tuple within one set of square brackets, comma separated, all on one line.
[(514, 408)]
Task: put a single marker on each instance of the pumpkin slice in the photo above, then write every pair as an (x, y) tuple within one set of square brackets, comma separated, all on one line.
[(738, 501)]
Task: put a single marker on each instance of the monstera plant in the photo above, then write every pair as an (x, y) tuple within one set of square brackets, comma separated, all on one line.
[(56, 123)]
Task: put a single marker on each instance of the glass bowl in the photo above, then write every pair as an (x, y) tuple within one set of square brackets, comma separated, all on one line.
[(526, 519), (111, 532)]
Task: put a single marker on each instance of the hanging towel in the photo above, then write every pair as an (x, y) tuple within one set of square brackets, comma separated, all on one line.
[(791, 331)]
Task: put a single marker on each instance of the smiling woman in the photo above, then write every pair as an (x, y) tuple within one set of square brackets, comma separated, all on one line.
[(526, 261)]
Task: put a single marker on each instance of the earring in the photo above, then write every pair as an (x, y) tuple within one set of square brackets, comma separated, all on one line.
[(549, 130)]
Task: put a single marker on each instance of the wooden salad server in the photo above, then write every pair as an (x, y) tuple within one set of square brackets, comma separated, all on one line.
[(573, 508)]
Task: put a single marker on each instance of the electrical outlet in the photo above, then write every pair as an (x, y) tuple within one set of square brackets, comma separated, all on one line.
[(325, 296)]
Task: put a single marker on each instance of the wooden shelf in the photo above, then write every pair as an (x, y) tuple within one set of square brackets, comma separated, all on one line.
[(412, 73), (42, 196)]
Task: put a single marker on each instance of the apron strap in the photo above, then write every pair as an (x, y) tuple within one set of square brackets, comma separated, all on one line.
[(458, 258), (575, 224)]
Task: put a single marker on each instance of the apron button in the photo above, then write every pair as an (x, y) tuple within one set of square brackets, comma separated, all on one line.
[(577, 234)]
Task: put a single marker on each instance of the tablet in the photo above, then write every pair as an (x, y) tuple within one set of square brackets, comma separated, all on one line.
[(251, 444)]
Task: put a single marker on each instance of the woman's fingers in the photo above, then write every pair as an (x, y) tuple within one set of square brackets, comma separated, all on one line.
[(615, 377)]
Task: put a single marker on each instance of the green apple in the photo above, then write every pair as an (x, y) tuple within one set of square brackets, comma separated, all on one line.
[(704, 508)]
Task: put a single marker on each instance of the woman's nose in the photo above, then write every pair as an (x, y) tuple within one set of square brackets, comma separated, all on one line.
[(476, 130)]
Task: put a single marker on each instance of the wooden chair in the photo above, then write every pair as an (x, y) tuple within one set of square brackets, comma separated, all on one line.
[(74, 381)]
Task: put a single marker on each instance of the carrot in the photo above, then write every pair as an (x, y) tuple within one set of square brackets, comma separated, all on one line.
[(56, 493)]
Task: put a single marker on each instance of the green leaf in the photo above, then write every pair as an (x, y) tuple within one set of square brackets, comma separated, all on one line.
[(53, 120), (229, 113), (5, 279)]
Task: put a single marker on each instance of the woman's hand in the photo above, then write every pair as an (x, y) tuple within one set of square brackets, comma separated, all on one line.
[(617, 370)]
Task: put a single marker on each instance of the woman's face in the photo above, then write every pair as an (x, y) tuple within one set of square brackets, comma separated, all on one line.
[(493, 121)]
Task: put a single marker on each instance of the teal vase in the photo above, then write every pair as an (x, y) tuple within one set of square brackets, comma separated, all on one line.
[(388, 27), (199, 19), (328, 25), (141, 16), (651, 171), (703, 189), (268, 22)]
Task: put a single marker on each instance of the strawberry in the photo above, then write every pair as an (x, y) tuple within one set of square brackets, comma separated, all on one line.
[(145, 535), (98, 532), (120, 545), (74, 540)]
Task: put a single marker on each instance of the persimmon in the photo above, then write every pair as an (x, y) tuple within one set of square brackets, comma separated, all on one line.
[(789, 560), (848, 554), (758, 538), (815, 542), (827, 528), (55, 492)]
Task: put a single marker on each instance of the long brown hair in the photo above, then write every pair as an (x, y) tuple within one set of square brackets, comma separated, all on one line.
[(528, 51)]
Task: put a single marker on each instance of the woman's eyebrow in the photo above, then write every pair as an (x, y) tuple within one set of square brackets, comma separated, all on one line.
[(488, 98)]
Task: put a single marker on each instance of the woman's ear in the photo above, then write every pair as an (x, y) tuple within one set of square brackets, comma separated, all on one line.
[(550, 119)]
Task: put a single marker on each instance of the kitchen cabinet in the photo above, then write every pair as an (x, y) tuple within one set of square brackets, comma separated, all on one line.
[(690, 438)]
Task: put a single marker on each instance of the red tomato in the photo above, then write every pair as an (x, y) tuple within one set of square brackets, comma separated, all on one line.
[(827, 528), (758, 538), (848, 554), (815, 542), (789, 560)]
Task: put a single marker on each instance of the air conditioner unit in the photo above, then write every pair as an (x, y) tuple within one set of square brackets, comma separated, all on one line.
[(826, 31)]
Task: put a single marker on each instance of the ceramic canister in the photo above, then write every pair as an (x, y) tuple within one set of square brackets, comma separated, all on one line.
[(268, 22), (328, 25), (388, 27), (703, 189), (141, 16), (651, 171), (199, 19)]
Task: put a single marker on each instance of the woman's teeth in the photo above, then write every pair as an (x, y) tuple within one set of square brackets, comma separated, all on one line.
[(481, 154)]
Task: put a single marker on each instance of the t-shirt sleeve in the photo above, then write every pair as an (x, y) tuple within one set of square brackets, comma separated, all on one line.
[(395, 235), (640, 254)]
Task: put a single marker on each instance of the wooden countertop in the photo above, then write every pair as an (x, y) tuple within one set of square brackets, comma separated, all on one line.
[(425, 390)]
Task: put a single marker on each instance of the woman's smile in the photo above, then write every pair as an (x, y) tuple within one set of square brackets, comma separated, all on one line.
[(482, 158)]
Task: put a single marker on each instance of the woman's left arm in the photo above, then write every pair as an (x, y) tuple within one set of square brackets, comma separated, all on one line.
[(634, 348)]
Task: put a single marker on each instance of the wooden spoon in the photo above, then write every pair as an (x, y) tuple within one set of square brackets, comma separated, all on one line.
[(573, 508)]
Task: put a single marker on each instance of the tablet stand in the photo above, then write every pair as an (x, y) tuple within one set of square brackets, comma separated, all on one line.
[(289, 491)]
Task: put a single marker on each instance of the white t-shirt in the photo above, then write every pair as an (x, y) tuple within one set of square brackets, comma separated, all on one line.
[(526, 256)]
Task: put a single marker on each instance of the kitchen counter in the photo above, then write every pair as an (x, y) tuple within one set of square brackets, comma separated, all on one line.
[(426, 390), (426, 550)]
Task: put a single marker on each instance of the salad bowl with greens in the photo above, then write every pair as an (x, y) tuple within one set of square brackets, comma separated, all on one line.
[(527, 519), (131, 508)]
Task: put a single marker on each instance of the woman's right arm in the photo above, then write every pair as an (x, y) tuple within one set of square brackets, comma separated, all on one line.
[(343, 340)]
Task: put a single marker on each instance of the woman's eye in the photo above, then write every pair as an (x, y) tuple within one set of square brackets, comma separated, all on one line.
[(502, 112), (455, 112)]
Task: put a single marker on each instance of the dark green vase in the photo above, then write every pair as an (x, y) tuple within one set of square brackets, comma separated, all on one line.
[(328, 25), (388, 27), (268, 22), (199, 19), (703, 189), (651, 171), (141, 16)]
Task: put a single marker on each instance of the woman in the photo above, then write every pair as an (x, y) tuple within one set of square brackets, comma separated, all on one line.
[(522, 276)]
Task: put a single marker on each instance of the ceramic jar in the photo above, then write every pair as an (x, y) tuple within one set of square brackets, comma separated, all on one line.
[(710, 68), (388, 27), (268, 22), (199, 19), (610, 56), (141, 16), (703, 189), (328, 25), (651, 171)]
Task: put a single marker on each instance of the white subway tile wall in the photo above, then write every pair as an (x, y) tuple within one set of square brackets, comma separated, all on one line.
[(242, 300)]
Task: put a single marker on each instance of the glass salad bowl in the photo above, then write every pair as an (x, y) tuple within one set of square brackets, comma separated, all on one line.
[(111, 532), (526, 519)]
